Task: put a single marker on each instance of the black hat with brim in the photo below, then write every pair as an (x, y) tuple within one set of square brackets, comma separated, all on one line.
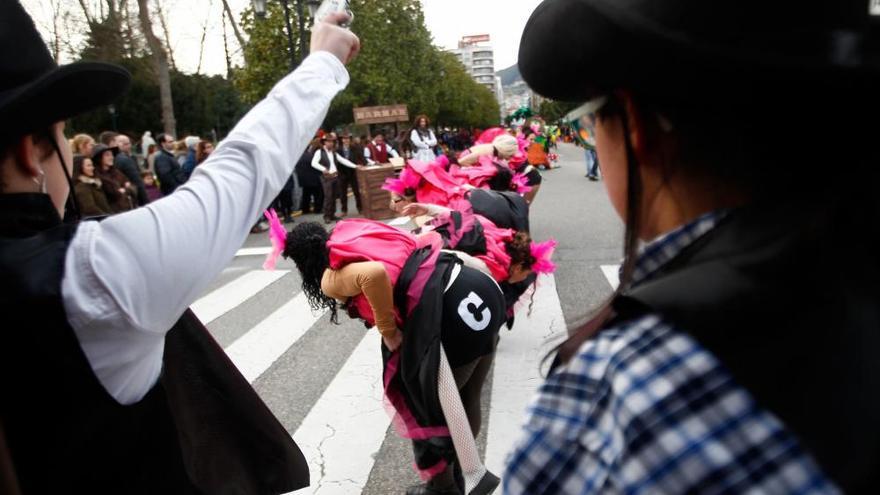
[(577, 50), (100, 149), (34, 91)]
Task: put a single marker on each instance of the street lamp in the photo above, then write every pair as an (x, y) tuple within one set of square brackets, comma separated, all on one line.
[(112, 110), (312, 5)]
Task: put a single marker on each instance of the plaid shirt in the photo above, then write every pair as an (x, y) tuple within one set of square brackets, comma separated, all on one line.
[(643, 408)]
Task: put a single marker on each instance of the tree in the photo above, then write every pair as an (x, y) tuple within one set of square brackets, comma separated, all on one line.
[(397, 64), (553, 110), (160, 64), (266, 53)]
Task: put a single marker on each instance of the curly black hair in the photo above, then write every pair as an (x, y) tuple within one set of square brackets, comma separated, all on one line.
[(502, 180), (307, 246)]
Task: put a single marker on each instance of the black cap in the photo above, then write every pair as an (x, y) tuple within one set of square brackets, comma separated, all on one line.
[(577, 50), (34, 91)]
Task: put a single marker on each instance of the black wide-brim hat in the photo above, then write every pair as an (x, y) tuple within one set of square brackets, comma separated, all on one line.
[(34, 91), (100, 149), (577, 50)]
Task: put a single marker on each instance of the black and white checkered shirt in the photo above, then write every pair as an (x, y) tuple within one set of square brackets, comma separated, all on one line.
[(643, 408)]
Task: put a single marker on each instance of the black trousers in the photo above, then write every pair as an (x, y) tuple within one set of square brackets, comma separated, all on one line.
[(330, 185), (309, 194), (348, 179)]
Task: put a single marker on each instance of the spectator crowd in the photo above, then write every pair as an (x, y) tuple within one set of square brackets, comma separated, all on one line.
[(110, 177)]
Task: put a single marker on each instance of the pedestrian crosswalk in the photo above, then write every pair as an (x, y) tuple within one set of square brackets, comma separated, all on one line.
[(343, 426)]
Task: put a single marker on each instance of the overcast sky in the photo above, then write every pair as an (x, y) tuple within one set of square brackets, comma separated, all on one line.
[(447, 20)]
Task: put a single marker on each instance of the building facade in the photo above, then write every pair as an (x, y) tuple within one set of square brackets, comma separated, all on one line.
[(478, 57)]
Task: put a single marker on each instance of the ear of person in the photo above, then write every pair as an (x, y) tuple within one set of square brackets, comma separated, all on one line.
[(26, 157)]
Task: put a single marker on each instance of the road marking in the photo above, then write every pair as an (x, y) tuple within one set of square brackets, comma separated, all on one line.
[(612, 273), (516, 376), (254, 352), (343, 432), (256, 251), (226, 298)]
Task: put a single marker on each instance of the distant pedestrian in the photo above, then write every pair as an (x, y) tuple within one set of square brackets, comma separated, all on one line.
[(125, 163), (90, 196), (348, 178), (378, 152), (203, 151), (423, 139), (312, 200), (153, 192), (121, 193), (327, 161), (147, 141), (168, 170), (82, 144)]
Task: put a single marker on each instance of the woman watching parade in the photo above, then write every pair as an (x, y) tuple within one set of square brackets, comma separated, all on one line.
[(737, 355)]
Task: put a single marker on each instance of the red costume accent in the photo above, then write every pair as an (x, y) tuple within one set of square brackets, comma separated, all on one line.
[(378, 154)]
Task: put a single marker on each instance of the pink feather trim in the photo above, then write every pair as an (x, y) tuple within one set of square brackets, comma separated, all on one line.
[(395, 185), (543, 252), (520, 183), (489, 135), (278, 238)]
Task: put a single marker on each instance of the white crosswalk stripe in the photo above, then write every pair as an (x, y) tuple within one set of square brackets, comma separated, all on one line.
[(254, 352), (224, 299), (516, 375), (345, 428)]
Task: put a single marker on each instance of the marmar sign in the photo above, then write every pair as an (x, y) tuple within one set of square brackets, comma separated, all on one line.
[(381, 115)]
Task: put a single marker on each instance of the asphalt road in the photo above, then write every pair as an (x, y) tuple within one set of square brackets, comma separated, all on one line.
[(322, 380)]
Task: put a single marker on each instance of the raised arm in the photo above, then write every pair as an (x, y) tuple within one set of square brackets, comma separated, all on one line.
[(129, 278)]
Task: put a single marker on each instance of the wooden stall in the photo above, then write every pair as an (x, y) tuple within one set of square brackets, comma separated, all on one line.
[(375, 201)]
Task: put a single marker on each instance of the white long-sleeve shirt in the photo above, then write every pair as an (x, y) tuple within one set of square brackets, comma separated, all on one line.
[(391, 153), (333, 157), (130, 278), (423, 144)]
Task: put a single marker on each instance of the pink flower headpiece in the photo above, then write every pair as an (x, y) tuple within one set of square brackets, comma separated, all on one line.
[(543, 252), (489, 135), (520, 184), (278, 237), (409, 179), (517, 160)]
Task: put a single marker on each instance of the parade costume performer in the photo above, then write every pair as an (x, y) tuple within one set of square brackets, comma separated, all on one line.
[(377, 151), (737, 354), (508, 256), (430, 183), (96, 312), (325, 161), (523, 162), (423, 139), (439, 322)]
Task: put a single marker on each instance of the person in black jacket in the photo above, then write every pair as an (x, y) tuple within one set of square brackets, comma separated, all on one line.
[(168, 171), (310, 181), (126, 164)]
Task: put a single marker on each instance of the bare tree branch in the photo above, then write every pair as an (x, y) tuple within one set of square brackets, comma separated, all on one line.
[(231, 18), (204, 35), (164, 25), (86, 13), (160, 64), (226, 48)]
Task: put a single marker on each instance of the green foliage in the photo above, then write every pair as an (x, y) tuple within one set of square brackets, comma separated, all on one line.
[(266, 53), (397, 64), (201, 103), (552, 110)]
